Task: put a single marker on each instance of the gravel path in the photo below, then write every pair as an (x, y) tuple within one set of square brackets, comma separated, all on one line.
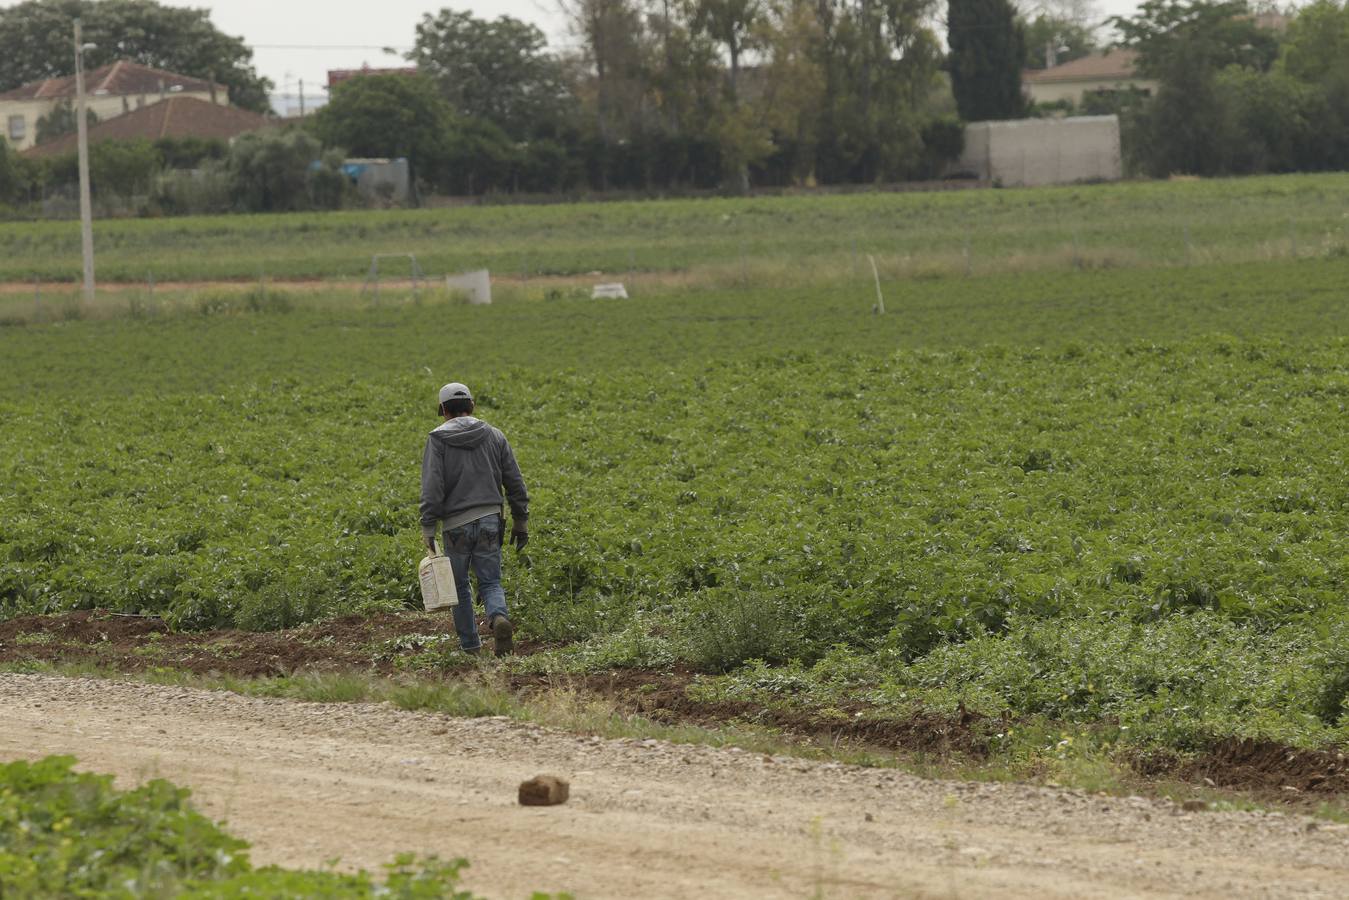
[(309, 782)]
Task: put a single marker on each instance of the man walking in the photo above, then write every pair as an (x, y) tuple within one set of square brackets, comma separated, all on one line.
[(464, 468)]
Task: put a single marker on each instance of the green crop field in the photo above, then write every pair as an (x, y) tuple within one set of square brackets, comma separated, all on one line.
[(1089, 495), (1101, 225)]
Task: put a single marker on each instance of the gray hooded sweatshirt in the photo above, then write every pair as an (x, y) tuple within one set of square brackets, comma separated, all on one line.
[(464, 467)]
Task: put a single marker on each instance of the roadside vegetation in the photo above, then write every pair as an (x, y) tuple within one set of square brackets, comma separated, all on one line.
[(65, 833), (421, 673)]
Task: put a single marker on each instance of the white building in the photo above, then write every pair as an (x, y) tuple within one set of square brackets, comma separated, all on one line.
[(110, 90), (1035, 152), (1110, 71)]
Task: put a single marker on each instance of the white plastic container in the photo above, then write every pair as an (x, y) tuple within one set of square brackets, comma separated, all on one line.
[(437, 579)]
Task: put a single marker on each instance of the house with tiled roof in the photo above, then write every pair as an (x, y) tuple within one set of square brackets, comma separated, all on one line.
[(1113, 70), (337, 76), (176, 117), (1110, 71), (110, 91)]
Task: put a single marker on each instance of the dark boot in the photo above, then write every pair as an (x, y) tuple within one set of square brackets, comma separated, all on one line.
[(502, 635)]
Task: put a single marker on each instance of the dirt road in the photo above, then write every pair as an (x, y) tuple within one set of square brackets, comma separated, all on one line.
[(308, 782)]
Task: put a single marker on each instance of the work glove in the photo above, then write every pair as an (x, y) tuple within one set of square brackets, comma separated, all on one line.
[(430, 543), (519, 535)]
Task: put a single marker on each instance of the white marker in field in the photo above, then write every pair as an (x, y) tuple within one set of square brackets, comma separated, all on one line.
[(611, 291), (879, 308), (477, 285)]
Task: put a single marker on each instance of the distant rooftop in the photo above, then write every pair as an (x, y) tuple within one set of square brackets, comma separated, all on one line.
[(121, 78), (1114, 64), (175, 117), (337, 76)]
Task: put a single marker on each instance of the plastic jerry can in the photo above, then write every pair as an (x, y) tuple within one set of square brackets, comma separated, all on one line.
[(437, 579)]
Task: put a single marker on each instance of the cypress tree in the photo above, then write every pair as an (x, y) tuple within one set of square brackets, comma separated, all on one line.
[(988, 52)]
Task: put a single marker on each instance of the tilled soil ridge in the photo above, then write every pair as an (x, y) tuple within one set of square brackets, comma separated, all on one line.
[(384, 643), (309, 782)]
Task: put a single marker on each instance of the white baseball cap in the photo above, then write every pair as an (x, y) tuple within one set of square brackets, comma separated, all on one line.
[(455, 391)]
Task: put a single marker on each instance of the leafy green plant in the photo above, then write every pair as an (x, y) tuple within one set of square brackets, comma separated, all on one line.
[(70, 834), (64, 833)]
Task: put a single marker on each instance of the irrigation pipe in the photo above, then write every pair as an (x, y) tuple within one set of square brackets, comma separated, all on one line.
[(880, 298)]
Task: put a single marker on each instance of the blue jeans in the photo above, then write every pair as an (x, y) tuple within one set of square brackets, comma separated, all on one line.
[(476, 545)]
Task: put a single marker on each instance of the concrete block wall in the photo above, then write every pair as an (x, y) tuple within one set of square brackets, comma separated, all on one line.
[(1034, 152)]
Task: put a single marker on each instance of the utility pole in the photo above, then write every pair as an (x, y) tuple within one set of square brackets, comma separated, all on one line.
[(301, 98), (82, 127)]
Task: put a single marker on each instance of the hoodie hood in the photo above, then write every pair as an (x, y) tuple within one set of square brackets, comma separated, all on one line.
[(465, 431)]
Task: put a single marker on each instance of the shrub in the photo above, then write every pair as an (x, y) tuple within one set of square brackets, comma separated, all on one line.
[(71, 834), (284, 171), (65, 833)]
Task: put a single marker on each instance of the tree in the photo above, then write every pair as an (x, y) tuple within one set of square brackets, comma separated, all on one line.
[(988, 52), (37, 37), (1052, 37), (1316, 47), (500, 70), (1177, 36), (60, 122), (9, 173), (616, 46), (190, 152), (1270, 122), (122, 168), (389, 116), (1184, 45), (479, 157), (885, 59), (283, 171), (117, 169), (732, 24), (1316, 52), (686, 76), (740, 135), (795, 86)]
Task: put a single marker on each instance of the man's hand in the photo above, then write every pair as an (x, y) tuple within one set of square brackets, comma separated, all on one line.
[(519, 535), (430, 543)]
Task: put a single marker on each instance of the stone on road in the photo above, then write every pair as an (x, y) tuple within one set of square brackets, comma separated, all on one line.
[(544, 790)]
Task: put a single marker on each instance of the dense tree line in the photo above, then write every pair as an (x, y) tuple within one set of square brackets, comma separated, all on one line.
[(673, 93), (732, 93), (704, 94)]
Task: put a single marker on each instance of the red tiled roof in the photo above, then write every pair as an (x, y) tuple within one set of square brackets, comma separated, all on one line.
[(1116, 63), (121, 78), (176, 117), (1273, 21), (337, 76)]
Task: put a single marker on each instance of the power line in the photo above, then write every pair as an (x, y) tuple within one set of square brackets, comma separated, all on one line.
[(384, 47)]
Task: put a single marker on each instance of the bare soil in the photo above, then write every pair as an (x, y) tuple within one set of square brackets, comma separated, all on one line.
[(385, 644), (137, 644), (307, 783)]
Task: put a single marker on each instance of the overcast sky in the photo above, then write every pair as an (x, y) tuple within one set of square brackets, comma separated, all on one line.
[(303, 39)]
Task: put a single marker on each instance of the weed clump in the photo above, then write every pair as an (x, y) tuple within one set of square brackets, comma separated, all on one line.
[(728, 628)]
